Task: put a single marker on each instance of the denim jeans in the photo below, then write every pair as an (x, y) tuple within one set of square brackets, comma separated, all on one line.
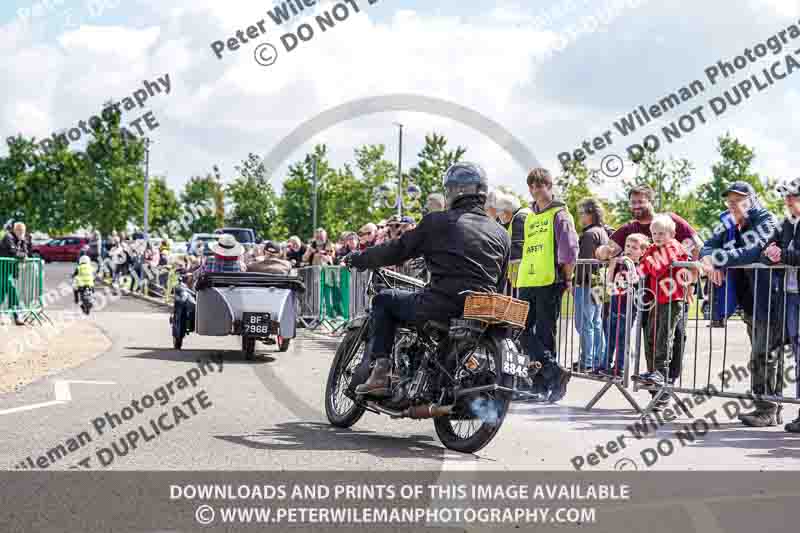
[(617, 335), (389, 307), (589, 324), (792, 333)]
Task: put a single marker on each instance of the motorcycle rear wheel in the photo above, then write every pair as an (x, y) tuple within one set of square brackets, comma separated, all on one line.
[(484, 411), (342, 411)]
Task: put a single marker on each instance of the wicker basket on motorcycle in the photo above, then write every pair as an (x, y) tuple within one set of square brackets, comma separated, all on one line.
[(496, 309)]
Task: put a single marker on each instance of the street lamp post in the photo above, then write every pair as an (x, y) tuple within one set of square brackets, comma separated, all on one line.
[(408, 196), (314, 175), (147, 188), (400, 172)]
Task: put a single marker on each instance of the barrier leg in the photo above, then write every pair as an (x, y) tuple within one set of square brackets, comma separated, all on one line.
[(627, 395), (599, 395)]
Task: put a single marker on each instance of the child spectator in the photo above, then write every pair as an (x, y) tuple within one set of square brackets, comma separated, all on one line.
[(620, 280), (668, 286)]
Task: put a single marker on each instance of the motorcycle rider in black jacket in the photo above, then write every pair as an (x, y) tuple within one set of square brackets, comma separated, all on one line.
[(464, 249)]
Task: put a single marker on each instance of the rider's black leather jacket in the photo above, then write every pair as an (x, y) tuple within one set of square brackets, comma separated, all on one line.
[(464, 250)]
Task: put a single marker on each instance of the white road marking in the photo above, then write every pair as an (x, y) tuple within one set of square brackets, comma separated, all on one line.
[(62, 393), (62, 388), (29, 407)]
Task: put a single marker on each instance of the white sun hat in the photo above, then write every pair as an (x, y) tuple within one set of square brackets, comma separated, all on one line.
[(790, 188), (227, 246)]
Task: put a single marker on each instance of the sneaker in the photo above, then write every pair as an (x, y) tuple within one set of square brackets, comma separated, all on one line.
[(657, 379), (611, 372), (650, 378), (759, 419)]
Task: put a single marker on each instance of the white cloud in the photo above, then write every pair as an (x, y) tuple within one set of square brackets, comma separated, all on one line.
[(784, 8), (498, 64)]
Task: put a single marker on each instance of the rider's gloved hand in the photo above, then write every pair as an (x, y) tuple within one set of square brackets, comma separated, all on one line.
[(355, 260)]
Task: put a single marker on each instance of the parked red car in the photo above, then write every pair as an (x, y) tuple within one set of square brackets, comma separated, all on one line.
[(60, 249)]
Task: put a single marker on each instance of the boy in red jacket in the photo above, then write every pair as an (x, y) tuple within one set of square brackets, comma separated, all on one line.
[(668, 286)]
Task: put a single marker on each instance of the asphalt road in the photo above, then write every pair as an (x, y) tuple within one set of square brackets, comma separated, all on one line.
[(269, 415)]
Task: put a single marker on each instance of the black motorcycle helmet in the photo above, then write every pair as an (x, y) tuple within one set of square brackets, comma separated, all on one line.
[(465, 179)]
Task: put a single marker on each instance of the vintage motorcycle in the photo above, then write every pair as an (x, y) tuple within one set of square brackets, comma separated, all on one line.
[(86, 295), (462, 373), (182, 319)]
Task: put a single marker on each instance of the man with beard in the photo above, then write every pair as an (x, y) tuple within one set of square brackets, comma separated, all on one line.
[(641, 206)]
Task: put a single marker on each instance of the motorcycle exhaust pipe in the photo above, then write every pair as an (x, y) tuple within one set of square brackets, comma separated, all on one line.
[(417, 412), (430, 410)]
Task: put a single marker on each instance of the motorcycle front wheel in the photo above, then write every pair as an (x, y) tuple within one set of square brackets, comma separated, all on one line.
[(342, 411), (477, 417)]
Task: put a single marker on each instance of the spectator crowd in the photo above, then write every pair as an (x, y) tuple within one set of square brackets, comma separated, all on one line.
[(601, 268)]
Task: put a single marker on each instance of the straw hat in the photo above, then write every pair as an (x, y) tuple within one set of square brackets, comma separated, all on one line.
[(227, 246)]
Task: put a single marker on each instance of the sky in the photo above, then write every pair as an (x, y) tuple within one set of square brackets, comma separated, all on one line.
[(551, 73)]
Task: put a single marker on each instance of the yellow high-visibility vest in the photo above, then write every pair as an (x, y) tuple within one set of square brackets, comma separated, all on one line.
[(85, 277), (538, 266), (513, 266)]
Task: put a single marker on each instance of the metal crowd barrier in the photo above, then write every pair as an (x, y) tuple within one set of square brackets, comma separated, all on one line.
[(580, 323), (335, 297), (737, 365), (335, 294), (310, 311), (22, 288)]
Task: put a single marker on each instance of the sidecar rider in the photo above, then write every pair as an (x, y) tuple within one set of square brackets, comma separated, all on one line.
[(465, 250)]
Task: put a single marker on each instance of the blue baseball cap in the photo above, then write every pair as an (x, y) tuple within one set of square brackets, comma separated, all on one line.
[(740, 187)]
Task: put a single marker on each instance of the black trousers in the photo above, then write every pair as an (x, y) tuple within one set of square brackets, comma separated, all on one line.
[(539, 338)]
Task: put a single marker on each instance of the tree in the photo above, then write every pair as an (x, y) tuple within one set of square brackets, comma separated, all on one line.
[(434, 160), (296, 206), (346, 202), (164, 211), (734, 166), (254, 201), (375, 171), (32, 192), (573, 186), (666, 178), (108, 196), (198, 195)]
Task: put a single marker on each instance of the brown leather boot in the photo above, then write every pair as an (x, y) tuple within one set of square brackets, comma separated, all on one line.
[(378, 382)]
